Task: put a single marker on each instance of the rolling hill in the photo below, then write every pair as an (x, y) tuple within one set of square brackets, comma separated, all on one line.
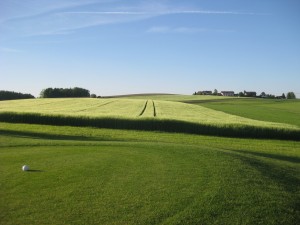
[(143, 114)]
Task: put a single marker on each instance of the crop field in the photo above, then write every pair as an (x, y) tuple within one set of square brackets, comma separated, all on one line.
[(102, 176), (79, 107), (143, 114), (272, 110)]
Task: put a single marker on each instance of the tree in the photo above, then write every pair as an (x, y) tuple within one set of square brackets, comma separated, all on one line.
[(283, 96), (290, 95), (10, 95), (263, 95), (241, 94), (215, 92), (270, 96), (93, 96)]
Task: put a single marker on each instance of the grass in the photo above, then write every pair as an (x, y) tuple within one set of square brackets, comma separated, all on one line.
[(271, 110), (142, 115), (101, 176), (167, 125), (77, 107), (86, 175), (280, 111)]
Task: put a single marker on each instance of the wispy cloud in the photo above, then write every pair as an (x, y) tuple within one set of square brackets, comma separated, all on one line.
[(162, 12), (108, 13), (183, 30), (61, 17), (31, 8), (74, 20)]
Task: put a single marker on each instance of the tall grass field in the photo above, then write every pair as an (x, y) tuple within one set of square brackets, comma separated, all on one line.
[(83, 172), (143, 114)]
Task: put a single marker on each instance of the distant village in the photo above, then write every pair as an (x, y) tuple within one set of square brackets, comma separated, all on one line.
[(253, 94)]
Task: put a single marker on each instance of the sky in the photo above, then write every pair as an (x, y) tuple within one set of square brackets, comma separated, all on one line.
[(115, 47)]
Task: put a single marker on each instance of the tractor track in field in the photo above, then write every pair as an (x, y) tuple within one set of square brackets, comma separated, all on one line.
[(144, 109), (154, 109), (95, 106)]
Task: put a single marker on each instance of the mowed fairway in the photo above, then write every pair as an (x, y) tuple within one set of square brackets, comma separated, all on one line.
[(101, 176)]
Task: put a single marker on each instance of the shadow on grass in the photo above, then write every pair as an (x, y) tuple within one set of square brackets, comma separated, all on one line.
[(164, 125), (285, 177), (36, 135), (271, 156)]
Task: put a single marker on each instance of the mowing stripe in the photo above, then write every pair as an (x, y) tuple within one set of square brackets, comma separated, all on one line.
[(145, 106)]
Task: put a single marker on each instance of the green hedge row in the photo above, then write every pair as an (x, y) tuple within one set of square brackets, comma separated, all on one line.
[(153, 125)]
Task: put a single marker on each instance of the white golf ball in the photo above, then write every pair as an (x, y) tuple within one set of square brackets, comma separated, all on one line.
[(25, 168)]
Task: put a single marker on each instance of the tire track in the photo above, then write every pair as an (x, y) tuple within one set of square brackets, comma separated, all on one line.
[(154, 109), (144, 109)]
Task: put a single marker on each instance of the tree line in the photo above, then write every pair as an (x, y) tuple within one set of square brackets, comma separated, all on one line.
[(65, 93), (75, 92), (289, 95), (11, 95)]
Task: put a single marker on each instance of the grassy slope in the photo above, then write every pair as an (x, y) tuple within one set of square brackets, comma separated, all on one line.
[(199, 114), (281, 111), (77, 107), (98, 176), (272, 110), (131, 108)]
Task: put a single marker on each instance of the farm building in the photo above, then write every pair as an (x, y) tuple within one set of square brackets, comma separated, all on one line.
[(227, 93)]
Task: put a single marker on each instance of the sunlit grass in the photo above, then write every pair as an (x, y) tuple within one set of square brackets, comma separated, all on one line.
[(272, 110), (199, 114), (131, 108), (101, 176)]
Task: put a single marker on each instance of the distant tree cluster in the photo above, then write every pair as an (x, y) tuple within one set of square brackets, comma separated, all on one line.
[(10, 95), (93, 96), (290, 95), (65, 93), (203, 93), (270, 96)]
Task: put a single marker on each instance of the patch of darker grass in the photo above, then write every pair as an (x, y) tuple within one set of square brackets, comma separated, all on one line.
[(37, 135), (284, 177), (271, 156)]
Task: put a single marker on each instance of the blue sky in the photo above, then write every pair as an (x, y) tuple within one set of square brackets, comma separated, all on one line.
[(168, 46)]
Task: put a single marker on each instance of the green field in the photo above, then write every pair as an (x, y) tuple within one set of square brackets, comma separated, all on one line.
[(143, 114), (100, 176), (282, 111), (89, 175), (272, 110)]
